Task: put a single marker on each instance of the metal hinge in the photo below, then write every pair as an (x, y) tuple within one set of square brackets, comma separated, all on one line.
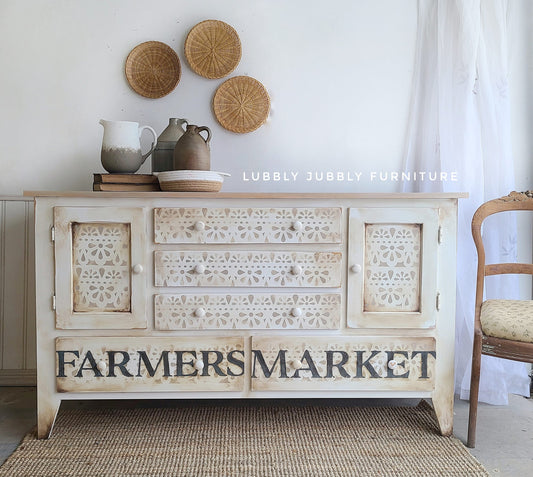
[(53, 302), (440, 235), (53, 233), (437, 301)]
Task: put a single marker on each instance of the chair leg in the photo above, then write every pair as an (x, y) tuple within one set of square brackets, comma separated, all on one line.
[(474, 389)]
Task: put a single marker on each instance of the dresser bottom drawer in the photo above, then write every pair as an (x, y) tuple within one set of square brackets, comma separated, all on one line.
[(342, 363), (110, 364)]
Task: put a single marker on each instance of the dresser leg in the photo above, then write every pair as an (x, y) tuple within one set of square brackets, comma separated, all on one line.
[(47, 409), (443, 406)]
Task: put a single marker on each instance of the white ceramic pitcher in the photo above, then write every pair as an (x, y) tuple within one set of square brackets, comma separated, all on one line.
[(121, 146)]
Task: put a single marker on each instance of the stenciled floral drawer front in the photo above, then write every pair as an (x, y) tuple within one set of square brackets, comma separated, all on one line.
[(340, 363), (247, 269), (115, 364), (281, 311), (247, 225)]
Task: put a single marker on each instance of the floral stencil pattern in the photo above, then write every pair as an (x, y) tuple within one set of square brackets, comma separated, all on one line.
[(101, 267), (392, 267)]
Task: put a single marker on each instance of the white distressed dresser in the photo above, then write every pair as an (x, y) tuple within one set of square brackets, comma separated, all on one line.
[(184, 295)]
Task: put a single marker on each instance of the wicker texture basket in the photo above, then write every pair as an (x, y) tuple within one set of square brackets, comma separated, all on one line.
[(241, 104), (153, 69), (213, 49), (191, 186), (191, 181)]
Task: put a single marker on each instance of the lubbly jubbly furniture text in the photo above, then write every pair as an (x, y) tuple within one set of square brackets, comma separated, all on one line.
[(198, 295)]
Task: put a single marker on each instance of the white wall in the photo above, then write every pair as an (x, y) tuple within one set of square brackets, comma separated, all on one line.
[(338, 73)]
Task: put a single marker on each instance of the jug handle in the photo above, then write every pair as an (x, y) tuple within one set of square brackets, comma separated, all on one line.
[(182, 122), (141, 129), (205, 128)]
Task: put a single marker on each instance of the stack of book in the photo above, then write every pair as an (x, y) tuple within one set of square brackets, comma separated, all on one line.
[(126, 182)]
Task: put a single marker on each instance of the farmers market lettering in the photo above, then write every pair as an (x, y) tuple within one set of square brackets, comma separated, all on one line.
[(180, 364)]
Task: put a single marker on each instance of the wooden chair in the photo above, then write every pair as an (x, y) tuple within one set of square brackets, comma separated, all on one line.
[(503, 328)]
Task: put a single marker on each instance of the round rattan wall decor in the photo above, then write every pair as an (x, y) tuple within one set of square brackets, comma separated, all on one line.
[(213, 49), (241, 104), (153, 69)]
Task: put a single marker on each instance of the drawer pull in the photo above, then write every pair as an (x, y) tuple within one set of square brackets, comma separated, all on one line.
[(297, 226), (137, 269), (199, 312), (296, 364), (199, 269), (392, 364), (296, 312), (296, 270), (199, 226), (102, 366), (198, 365), (356, 268)]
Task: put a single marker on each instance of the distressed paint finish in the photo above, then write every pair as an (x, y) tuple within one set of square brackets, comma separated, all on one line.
[(304, 353), (100, 274), (392, 259), (248, 311), (247, 225), (213, 374), (247, 269), (246, 291)]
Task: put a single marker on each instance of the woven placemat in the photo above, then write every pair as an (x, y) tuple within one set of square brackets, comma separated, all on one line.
[(153, 69), (244, 439), (213, 49), (241, 104)]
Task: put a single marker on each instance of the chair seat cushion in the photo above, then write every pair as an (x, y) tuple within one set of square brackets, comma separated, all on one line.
[(508, 319)]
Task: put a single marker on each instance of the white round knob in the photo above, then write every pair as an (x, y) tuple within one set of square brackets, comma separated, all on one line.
[(102, 366), (137, 268), (296, 312), (199, 312), (199, 226), (392, 364), (296, 364), (199, 268), (356, 268), (297, 226), (296, 269), (198, 364)]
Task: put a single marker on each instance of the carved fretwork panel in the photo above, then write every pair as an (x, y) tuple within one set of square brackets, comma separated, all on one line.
[(247, 269), (346, 363), (247, 225), (392, 267), (101, 267), (100, 271), (245, 311)]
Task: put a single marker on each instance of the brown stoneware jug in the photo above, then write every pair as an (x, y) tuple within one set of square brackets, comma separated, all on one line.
[(192, 150)]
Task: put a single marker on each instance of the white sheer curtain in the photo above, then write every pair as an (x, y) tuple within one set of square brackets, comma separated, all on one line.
[(459, 122)]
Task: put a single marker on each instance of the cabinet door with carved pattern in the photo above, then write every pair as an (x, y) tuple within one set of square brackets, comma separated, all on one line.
[(100, 268), (393, 265)]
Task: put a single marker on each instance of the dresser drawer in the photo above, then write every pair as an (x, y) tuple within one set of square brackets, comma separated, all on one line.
[(245, 311), (247, 269), (247, 225), (355, 363), (107, 364)]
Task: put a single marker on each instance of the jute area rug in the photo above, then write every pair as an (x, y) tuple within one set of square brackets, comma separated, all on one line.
[(244, 440)]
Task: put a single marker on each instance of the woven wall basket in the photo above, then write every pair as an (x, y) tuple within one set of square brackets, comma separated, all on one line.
[(241, 104), (153, 69), (213, 49)]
